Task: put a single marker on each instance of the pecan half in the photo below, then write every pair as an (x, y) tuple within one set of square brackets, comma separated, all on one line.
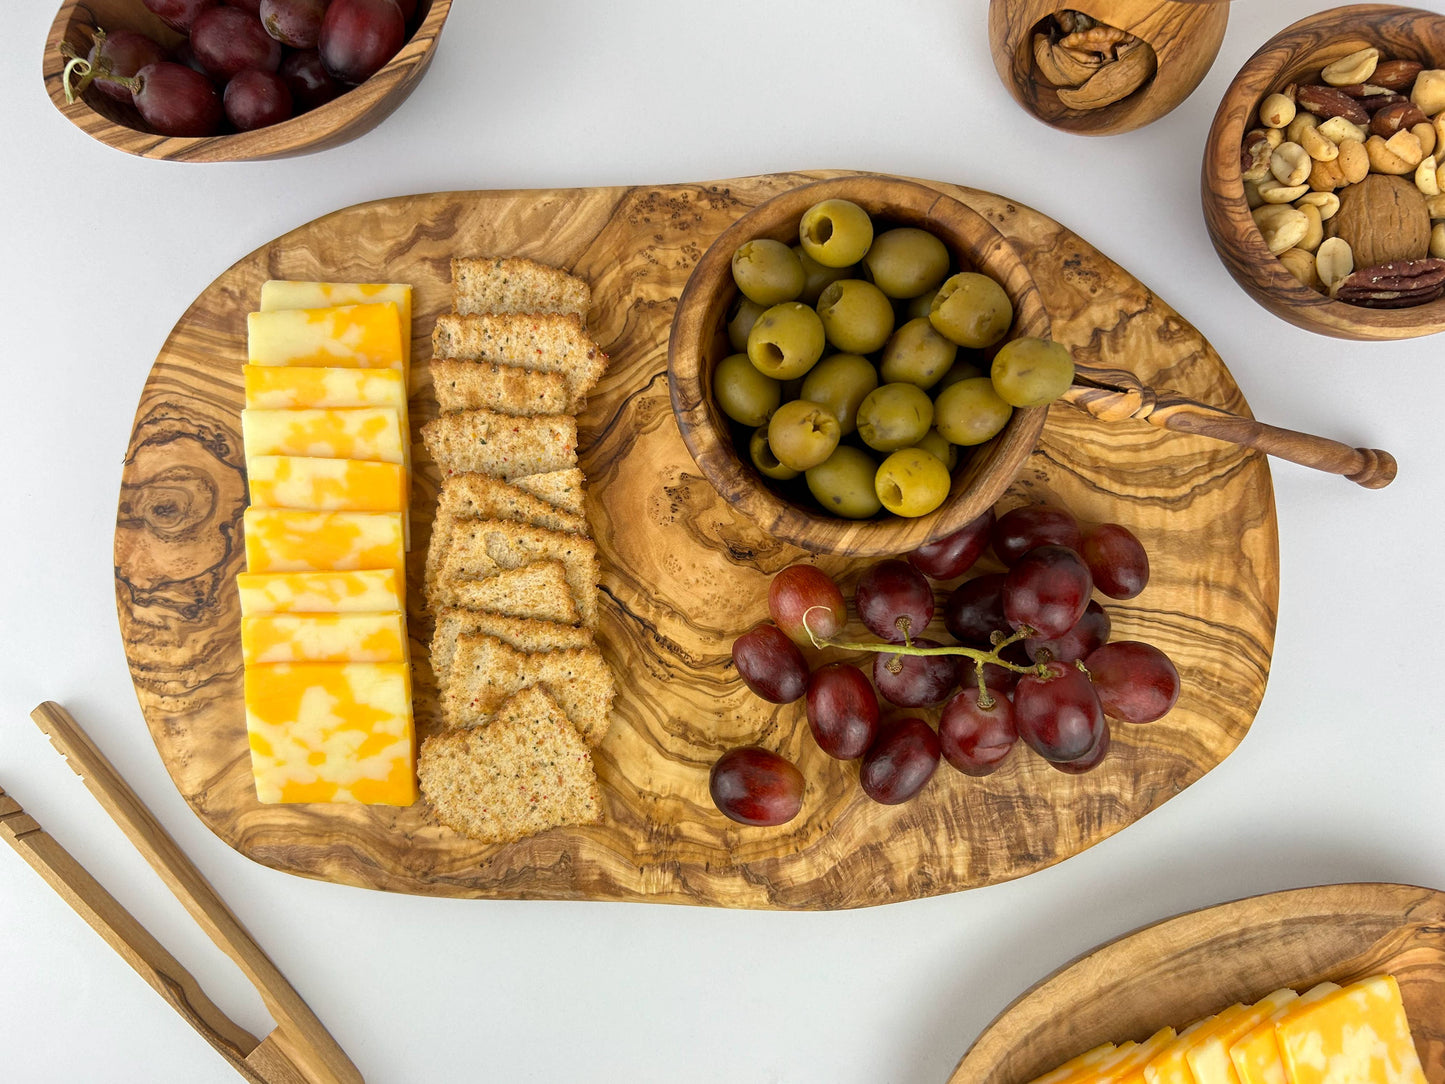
[(1396, 75), (1402, 114), (1325, 102), (1395, 285)]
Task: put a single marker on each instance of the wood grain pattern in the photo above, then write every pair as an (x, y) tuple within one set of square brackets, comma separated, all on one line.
[(1185, 38), (352, 114), (1187, 967), (683, 575), (1296, 54)]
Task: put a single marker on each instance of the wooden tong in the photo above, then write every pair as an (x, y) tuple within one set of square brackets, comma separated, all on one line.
[(1115, 394), (299, 1050)]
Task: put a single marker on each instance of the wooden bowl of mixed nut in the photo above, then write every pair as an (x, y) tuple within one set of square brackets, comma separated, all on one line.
[(1322, 183)]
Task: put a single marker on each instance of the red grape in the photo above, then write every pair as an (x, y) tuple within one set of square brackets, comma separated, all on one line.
[(252, 7), (1059, 715), (974, 611), (894, 600), (754, 786), (296, 23), (919, 680), (798, 589), (254, 99), (228, 41), (179, 14), (1047, 589), (952, 555), (1030, 526), (309, 83), (358, 37), (1089, 633), (770, 664), (1136, 682), (1116, 560), (176, 100), (900, 761), (976, 740), (408, 9), (842, 710), (123, 53), (1089, 761), (184, 54)]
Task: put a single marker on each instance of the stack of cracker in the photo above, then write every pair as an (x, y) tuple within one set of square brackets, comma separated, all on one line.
[(511, 571)]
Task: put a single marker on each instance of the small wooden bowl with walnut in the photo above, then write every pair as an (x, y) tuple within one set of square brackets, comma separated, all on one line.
[(1322, 182)]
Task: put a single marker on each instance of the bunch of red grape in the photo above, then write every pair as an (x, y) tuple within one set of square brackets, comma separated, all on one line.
[(246, 63), (1031, 660)]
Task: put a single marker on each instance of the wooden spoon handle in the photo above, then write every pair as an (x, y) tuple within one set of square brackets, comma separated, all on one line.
[(1112, 395)]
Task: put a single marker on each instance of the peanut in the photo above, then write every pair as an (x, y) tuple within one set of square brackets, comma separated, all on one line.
[(1428, 137), (1327, 203), (1355, 68), (1276, 111), (1407, 147), (1301, 265), (1385, 160), (1273, 191), (1435, 205), (1317, 146), (1338, 129), (1429, 91), (1302, 120), (1334, 261), (1427, 177), (1354, 161), (1314, 228), (1281, 226), (1437, 241), (1291, 164)]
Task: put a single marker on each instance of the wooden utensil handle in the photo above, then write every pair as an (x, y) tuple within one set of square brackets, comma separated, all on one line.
[(1112, 395)]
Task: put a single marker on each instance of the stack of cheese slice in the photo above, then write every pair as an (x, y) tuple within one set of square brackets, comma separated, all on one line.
[(1327, 1035), (323, 600), (511, 572)]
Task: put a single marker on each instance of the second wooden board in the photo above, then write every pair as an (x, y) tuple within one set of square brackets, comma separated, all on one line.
[(683, 576)]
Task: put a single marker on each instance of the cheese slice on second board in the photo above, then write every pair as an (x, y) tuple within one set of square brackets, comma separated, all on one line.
[(1122, 1066), (1255, 1055), (285, 540), (290, 294), (1171, 1065), (326, 485), (359, 637), (1358, 1035), (373, 433), (378, 590), (270, 387), (347, 336), (1209, 1058)]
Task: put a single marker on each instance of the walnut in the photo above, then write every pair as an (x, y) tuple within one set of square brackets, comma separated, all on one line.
[(1383, 218)]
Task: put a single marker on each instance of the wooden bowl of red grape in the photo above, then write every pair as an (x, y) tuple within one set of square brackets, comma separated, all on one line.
[(236, 80)]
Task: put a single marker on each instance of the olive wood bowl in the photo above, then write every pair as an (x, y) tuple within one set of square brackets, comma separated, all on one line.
[(338, 121), (1295, 54), (1185, 37), (699, 341)]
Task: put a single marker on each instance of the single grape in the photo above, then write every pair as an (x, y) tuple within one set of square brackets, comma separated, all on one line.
[(1136, 682), (228, 41), (176, 100), (1116, 560), (754, 786), (770, 664), (1089, 633), (842, 710), (915, 681), (974, 609), (976, 740), (894, 600), (1089, 761), (255, 99), (1030, 525), (309, 83), (358, 37), (179, 14), (1058, 715), (296, 23), (120, 53), (900, 762), (952, 555), (1047, 589), (806, 593)]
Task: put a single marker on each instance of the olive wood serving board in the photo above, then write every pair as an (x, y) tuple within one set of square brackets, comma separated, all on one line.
[(1176, 971), (682, 576)]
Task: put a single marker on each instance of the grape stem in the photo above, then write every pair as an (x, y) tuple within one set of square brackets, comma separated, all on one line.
[(77, 63)]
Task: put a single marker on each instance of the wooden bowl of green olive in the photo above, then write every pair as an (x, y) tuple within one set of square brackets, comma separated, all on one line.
[(854, 365)]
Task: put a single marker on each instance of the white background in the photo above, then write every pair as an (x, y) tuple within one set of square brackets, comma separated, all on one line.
[(1340, 778)]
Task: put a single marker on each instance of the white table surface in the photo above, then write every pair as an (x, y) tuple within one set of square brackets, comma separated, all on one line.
[(1340, 778)]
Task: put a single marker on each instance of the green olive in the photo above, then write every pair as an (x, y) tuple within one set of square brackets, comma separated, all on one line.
[(962, 369), (843, 483), (906, 262), (786, 341), (934, 444), (857, 316), (743, 313), (764, 459), (836, 232), (840, 382), (916, 354), (767, 271), (1030, 372), (802, 434), (972, 310), (894, 416), (970, 412), (745, 395), (918, 306), (816, 276), (912, 482)]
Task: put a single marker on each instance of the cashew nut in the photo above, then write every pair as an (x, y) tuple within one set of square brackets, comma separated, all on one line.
[(1338, 129), (1429, 140), (1281, 226), (1406, 146), (1291, 164), (1334, 261), (1355, 68)]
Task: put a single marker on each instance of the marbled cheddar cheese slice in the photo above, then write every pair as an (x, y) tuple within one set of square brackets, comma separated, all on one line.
[(1358, 1035), (365, 591), (326, 485), (285, 540), (345, 336), (1076, 1066), (1255, 1055), (358, 637), (1209, 1058), (332, 732), (283, 294), (1171, 1065), (372, 433), (1133, 1060), (287, 388)]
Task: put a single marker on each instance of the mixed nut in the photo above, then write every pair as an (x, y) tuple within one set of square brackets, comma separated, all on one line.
[(1345, 181), (1089, 63)]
